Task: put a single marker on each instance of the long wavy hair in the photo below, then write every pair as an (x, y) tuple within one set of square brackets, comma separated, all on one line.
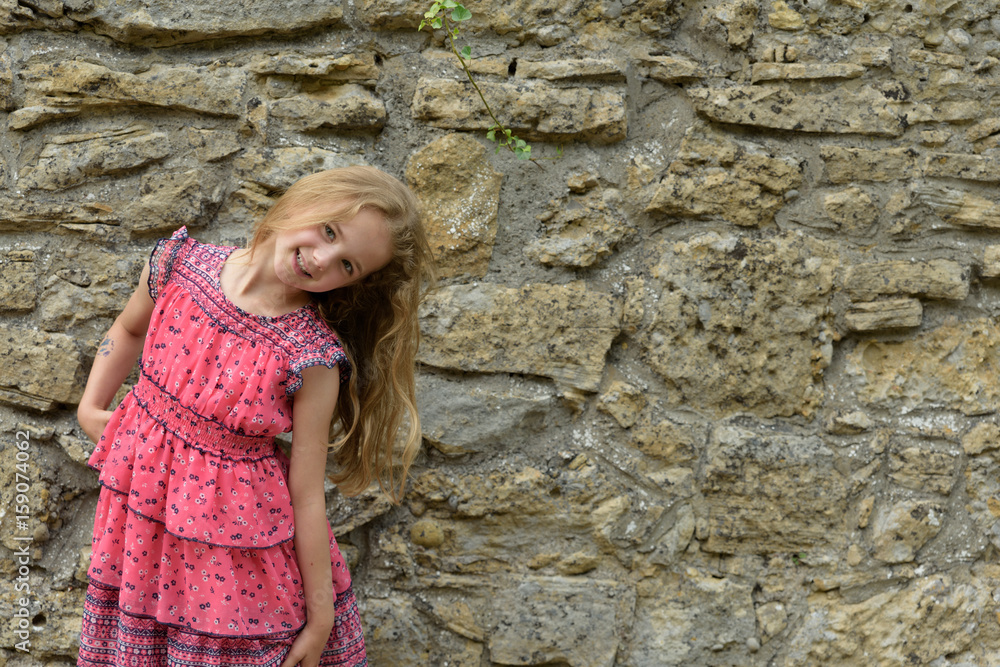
[(375, 318)]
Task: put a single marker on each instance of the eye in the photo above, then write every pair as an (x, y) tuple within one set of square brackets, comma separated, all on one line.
[(330, 234), (348, 267)]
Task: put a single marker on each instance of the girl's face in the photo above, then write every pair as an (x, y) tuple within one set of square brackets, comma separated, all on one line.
[(325, 256)]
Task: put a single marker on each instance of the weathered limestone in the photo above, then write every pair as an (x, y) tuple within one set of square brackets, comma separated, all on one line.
[(920, 468), (743, 322), (341, 67), (934, 279), (852, 210), (930, 618), (716, 177), (460, 195), (17, 282), (797, 71), (109, 282), (40, 365), (170, 200), (885, 314), (559, 331), (967, 167), (622, 401), (69, 160), (843, 165), (862, 112), (277, 168), (580, 231), (556, 70), (531, 109), (342, 107), (457, 419), (958, 207), (942, 367), (67, 88), (771, 492), (27, 214), (738, 17), (669, 69), (666, 619), (991, 261), (165, 24)]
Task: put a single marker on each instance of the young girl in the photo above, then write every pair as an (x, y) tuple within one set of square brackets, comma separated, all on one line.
[(210, 546)]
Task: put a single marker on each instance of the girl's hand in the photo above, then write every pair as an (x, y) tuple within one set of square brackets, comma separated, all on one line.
[(93, 421), (308, 646)]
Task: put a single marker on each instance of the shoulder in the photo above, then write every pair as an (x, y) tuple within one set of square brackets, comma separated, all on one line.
[(321, 346), (180, 255)]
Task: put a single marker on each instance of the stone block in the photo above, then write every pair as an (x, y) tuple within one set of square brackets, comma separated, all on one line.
[(464, 417), (938, 58), (583, 68), (886, 314), (691, 618), (22, 214), (852, 210), (928, 619), (558, 331), (991, 261), (943, 368), (459, 193), (331, 67), (783, 17), (43, 365), (17, 285), (901, 530), (865, 111), (805, 71), (921, 468), (669, 69), (64, 304), (580, 231), (622, 401), (66, 88), (843, 165), (738, 17), (164, 24), (934, 279), (340, 107), (962, 166), (671, 441), (532, 109), (741, 323), (770, 492), (71, 159), (277, 168), (168, 200), (958, 207)]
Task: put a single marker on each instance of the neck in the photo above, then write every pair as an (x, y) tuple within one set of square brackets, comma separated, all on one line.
[(249, 282)]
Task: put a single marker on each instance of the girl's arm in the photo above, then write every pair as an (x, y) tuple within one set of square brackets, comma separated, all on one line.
[(114, 360), (312, 412)]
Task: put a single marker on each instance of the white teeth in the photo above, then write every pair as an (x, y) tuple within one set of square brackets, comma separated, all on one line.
[(298, 259)]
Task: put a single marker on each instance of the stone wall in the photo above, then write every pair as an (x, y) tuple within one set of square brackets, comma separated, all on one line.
[(718, 387)]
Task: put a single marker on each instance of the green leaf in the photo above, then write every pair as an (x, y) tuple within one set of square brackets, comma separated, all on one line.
[(521, 143), (422, 24), (467, 52), (497, 151), (449, 4), (491, 135), (436, 23), (460, 13), (435, 8)]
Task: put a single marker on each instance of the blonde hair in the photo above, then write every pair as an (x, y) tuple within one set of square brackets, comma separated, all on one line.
[(375, 318)]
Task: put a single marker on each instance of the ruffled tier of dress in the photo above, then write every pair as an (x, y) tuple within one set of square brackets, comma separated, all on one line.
[(195, 525), (194, 475)]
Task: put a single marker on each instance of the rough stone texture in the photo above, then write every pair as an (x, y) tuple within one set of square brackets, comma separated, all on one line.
[(741, 322), (69, 160), (530, 109), (865, 112), (152, 23), (580, 231), (65, 89), (460, 195), (562, 332), (751, 511), (715, 177), (717, 387), (887, 314)]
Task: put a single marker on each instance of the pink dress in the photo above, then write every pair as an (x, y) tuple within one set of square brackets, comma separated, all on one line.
[(193, 555)]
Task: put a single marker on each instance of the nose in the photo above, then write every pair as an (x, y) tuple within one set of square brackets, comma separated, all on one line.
[(324, 257)]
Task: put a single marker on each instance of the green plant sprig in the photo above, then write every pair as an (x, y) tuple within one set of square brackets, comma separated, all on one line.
[(438, 17)]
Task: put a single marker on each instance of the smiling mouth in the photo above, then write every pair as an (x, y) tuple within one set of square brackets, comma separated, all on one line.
[(302, 266)]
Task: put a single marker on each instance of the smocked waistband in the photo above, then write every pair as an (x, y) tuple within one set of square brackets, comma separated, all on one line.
[(199, 431)]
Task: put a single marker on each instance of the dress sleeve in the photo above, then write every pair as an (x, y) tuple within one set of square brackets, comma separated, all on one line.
[(161, 260), (329, 353)]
